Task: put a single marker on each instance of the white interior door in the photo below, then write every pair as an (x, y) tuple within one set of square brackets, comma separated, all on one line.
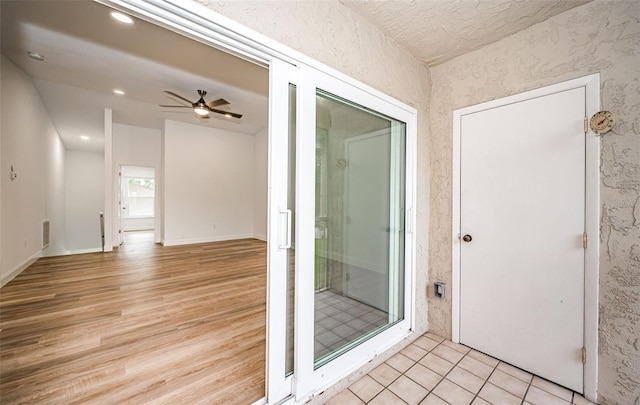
[(522, 205)]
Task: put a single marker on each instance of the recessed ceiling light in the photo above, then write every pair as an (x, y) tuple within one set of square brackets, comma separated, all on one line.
[(228, 115), (123, 18), (118, 92), (84, 137), (35, 55)]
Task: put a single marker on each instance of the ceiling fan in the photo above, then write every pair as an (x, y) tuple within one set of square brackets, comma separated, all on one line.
[(201, 107)]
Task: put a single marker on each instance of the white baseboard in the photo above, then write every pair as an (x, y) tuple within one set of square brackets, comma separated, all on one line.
[(81, 251), (260, 237), (19, 268), (207, 239)]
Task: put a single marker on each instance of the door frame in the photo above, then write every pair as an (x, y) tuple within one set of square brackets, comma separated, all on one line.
[(117, 178), (309, 380), (591, 83)]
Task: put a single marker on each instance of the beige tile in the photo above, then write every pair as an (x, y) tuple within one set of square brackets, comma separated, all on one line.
[(384, 374), (423, 376), (580, 400), (455, 346), (539, 397), (408, 390), (516, 372), (552, 388), (476, 367), (437, 364), (431, 399), (345, 397), (400, 362), (366, 388), (496, 395), (433, 336), (453, 394), (509, 383), (488, 360), (480, 401), (387, 397), (414, 352), (425, 343), (465, 379), (448, 353)]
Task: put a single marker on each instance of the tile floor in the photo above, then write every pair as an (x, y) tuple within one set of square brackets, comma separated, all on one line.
[(435, 371), (340, 320)]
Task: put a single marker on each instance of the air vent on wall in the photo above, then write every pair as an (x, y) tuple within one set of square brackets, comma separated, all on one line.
[(45, 233)]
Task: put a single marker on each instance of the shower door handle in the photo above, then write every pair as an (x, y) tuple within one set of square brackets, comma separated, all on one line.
[(287, 243)]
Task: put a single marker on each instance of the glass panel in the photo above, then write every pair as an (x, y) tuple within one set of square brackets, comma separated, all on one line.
[(139, 197), (359, 228), (291, 203)]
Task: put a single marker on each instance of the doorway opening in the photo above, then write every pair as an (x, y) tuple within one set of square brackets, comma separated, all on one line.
[(137, 202), (194, 181)]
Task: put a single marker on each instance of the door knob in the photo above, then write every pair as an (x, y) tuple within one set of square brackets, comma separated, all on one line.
[(467, 238)]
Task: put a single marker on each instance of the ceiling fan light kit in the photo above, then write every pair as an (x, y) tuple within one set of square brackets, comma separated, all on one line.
[(201, 107)]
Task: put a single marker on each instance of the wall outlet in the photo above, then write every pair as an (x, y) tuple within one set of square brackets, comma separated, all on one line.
[(439, 290)]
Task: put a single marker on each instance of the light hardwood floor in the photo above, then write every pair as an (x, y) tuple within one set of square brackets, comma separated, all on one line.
[(147, 324)]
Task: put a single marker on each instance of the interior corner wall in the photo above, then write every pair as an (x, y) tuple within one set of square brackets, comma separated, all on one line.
[(260, 191), (136, 146), (601, 36), (30, 143), (84, 190), (208, 184)]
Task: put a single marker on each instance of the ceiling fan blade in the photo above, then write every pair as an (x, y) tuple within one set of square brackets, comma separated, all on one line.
[(178, 96), (234, 115), (175, 106), (216, 103)]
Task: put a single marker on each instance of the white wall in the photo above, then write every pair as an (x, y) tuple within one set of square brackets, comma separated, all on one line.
[(84, 191), (30, 143), (208, 184), (260, 196), (136, 146)]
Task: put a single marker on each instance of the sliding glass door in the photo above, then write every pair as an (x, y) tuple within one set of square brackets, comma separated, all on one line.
[(340, 243), (359, 225), (353, 262)]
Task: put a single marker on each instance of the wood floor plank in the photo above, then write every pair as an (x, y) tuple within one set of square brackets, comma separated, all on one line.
[(145, 324)]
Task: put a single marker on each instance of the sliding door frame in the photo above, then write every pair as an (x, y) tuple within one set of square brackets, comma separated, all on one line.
[(308, 379)]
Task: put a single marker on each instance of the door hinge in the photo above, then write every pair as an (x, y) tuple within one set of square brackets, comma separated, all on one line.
[(584, 240), (584, 355), (586, 125)]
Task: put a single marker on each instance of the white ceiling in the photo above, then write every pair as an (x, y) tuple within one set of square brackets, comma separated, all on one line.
[(439, 30), (88, 54)]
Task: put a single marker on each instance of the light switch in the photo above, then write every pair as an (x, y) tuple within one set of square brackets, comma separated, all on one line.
[(438, 290)]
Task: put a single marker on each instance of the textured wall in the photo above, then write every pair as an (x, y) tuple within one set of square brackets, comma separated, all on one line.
[(603, 36)]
